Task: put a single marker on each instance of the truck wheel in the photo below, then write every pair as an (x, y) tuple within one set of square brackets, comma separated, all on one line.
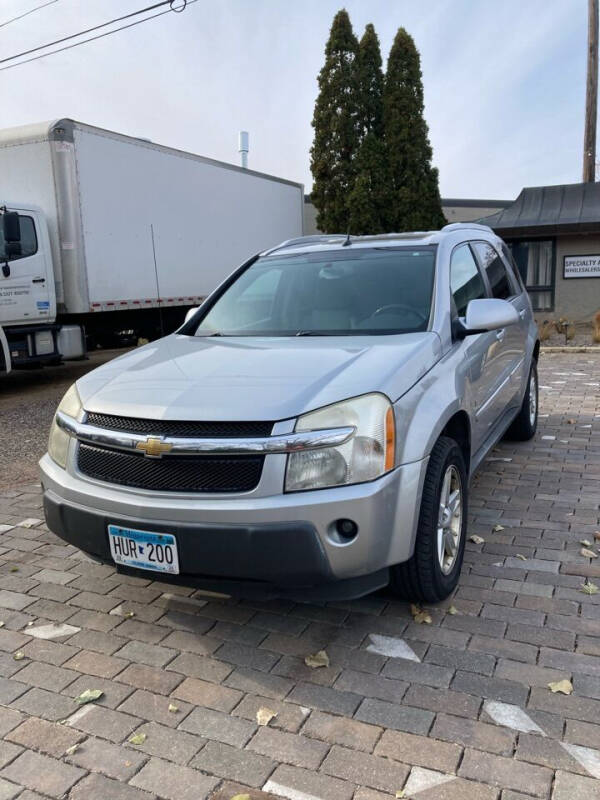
[(524, 425), (433, 571)]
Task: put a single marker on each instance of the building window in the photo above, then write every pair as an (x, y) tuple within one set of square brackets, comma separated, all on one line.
[(535, 260)]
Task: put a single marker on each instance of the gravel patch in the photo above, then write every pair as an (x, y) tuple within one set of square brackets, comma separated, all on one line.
[(28, 400)]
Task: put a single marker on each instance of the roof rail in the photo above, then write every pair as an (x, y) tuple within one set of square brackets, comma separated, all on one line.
[(313, 239), (460, 226)]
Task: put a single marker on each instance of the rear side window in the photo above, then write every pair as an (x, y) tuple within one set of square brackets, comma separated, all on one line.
[(466, 283), (29, 243), (500, 282), (508, 258)]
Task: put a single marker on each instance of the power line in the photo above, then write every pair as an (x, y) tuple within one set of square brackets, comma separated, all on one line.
[(27, 13), (170, 3)]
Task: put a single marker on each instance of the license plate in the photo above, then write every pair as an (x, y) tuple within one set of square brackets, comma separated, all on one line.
[(144, 549)]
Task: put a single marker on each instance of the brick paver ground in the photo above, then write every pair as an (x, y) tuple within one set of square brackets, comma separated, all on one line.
[(459, 709)]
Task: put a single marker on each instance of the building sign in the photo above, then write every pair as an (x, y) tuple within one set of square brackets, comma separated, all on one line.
[(582, 267)]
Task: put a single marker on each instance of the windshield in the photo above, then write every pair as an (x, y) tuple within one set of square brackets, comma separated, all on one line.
[(340, 293)]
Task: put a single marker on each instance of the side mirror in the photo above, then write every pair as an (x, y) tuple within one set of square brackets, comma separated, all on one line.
[(190, 314), (11, 227), (488, 314)]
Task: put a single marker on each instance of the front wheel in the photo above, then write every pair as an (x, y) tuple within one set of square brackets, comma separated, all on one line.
[(433, 571), (524, 425)]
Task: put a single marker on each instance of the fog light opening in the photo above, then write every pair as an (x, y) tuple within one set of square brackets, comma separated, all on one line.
[(344, 531)]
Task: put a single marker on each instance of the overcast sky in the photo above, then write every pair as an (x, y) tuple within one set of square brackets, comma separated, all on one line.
[(504, 81)]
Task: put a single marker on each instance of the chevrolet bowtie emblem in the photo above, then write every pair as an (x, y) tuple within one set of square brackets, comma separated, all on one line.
[(154, 447)]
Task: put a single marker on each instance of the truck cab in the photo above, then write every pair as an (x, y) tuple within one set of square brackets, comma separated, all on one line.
[(27, 289)]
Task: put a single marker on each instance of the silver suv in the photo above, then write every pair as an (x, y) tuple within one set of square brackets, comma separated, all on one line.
[(311, 430)]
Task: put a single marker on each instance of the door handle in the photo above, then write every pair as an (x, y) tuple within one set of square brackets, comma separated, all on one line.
[(500, 335), (39, 280)]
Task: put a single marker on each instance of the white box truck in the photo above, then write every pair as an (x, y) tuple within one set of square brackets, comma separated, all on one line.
[(116, 237)]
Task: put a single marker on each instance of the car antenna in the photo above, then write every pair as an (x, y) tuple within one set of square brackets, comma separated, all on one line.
[(348, 242)]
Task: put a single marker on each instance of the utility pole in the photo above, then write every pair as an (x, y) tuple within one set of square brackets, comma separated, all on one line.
[(591, 96)]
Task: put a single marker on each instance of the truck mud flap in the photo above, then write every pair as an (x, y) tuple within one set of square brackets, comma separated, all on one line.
[(5, 363)]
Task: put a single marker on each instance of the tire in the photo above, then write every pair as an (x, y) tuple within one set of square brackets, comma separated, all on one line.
[(524, 425), (422, 578)]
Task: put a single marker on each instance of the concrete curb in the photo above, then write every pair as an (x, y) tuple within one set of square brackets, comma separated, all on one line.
[(573, 349)]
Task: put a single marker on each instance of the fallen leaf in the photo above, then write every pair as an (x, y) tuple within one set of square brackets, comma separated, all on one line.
[(564, 686), (586, 543), (137, 738), (14, 569), (571, 421), (241, 797), (589, 588), (173, 708), (597, 536), (420, 616), (588, 553), (521, 557), (265, 715), (453, 610), (29, 523), (498, 528), (476, 539), (19, 655), (73, 749), (423, 617), (320, 659), (1, 624), (89, 696), (129, 614), (400, 793)]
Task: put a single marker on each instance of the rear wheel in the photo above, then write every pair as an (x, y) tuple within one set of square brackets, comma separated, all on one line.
[(524, 425), (433, 571)]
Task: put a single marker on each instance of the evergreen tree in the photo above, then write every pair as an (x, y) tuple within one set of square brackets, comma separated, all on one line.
[(336, 128), (370, 197), (370, 84), (416, 203)]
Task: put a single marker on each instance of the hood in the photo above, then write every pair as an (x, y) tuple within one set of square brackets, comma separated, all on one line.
[(242, 378)]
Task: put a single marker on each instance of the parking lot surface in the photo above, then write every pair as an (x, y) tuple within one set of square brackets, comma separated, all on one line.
[(28, 400), (458, 708)]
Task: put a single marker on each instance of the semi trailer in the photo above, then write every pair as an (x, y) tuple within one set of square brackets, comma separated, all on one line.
[(107, 238)]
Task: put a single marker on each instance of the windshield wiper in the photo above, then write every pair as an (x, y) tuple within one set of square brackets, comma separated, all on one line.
[(319, 333)]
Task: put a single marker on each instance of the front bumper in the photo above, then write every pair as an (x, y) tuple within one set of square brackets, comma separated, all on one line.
[(280, 543)]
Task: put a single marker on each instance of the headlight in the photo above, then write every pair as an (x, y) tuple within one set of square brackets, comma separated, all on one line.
[(58, 442), (368, 454)]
